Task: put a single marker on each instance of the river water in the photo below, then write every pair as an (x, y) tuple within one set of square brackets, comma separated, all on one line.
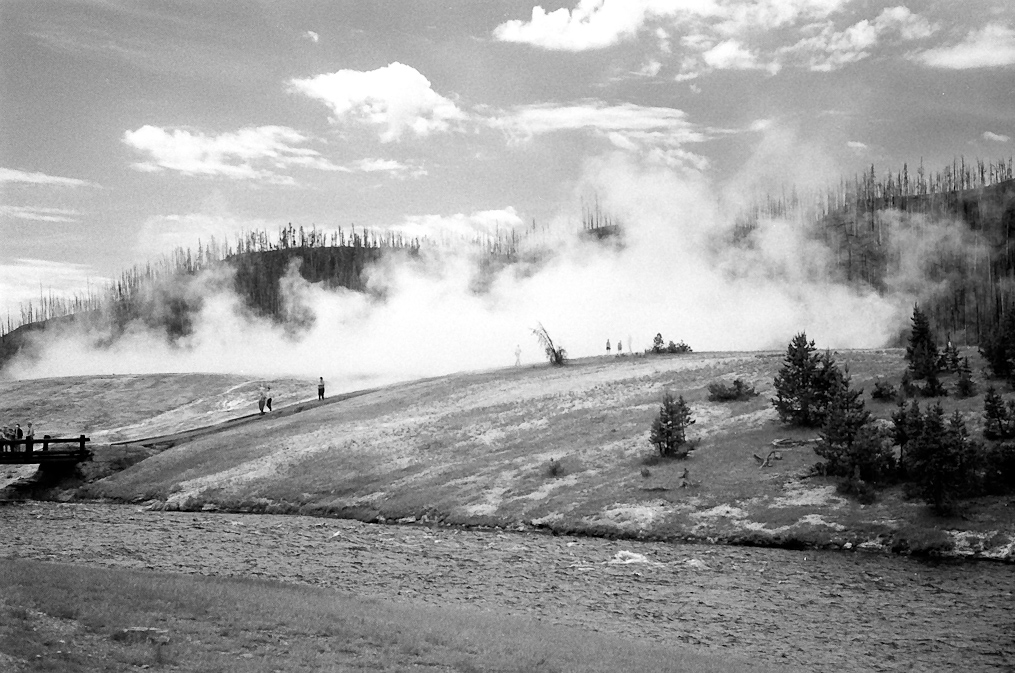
[(814, 610)]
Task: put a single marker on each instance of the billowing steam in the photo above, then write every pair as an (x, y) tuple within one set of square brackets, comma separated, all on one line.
[(676, 273)]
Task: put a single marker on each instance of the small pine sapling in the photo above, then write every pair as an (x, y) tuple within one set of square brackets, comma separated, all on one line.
[(669, 429), (998, 416), (965, 387)]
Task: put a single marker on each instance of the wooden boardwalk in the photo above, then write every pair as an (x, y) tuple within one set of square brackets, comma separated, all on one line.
[(46, 451)]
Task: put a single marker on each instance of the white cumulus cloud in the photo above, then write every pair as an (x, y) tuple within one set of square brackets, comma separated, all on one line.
[(996, 137), (250, 153), (397, 98), (989, 47)]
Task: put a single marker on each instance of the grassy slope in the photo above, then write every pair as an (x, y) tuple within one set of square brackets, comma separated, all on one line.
[(114, 408), (475, 448), (56, 617)]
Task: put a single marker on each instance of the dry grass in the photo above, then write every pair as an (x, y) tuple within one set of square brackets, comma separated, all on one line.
[(64, 618), (475, 448)]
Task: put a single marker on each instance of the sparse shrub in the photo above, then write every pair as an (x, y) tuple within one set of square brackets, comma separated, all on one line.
[(646, 473), (738, 392), (679, 348), (921, 541), (858, 489), (805, 384), (555, 354), (555, 468), (669, 429), (884, 391)]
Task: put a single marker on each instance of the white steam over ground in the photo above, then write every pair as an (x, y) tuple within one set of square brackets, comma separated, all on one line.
[(676, 274)]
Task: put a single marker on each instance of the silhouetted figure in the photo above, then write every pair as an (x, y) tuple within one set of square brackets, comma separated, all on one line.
[(607, 346), (620, 348), (269, 399), (518, 356), (320, 389)]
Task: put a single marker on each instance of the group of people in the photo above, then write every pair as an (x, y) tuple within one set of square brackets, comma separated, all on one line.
[(12, 438), (264, 396), (620, 347)]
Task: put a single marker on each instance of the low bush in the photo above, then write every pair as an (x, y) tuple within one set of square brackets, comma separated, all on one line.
[(884, 391), (738, 392)]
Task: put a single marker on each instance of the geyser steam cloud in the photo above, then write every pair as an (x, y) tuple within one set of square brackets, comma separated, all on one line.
[(675, 274)]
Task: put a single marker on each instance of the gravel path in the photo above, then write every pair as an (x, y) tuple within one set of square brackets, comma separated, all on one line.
[(819, 610)]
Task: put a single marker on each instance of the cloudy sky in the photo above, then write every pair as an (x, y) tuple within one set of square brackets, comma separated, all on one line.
[(129, 127)]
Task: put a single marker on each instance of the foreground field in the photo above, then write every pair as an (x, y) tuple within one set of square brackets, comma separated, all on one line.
[(476, 449), (68, 618), (470, 599)]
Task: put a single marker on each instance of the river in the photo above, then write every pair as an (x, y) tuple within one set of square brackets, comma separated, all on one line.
[(818, 610)]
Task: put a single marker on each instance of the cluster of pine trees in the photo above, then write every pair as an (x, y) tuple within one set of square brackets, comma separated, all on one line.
[(937, 458)]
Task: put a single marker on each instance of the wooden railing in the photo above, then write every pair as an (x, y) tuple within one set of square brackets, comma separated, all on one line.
[(45, 450)]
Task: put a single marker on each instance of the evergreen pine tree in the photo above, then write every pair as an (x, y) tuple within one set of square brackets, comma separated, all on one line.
[(669, 429), (806, 384), (921, 352), (846, 414), (998, 347), (998, 417), (965, 387), (941, 459)]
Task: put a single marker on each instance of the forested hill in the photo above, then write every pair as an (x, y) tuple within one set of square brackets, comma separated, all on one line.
[(962, 221), (969, 262)]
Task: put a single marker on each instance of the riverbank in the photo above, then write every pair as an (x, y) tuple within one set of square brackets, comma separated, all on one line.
[(816, 610)]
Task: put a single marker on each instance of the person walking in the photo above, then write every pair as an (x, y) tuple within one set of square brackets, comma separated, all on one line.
[(320, 389), (262, 398), (518, 356), (607, 346)]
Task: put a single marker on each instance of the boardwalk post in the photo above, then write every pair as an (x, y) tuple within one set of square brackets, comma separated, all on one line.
[(82, 440), (28, 445)]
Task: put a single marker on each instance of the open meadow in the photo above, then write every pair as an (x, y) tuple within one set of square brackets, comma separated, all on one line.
[(533, 447)]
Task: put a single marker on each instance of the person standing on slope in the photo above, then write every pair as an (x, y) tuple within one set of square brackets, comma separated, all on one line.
[(320, 389), (262, 398)]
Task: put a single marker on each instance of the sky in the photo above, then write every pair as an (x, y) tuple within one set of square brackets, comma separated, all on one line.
[(127, 128)]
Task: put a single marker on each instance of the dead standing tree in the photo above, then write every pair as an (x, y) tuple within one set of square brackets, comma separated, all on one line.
[(556, 354)]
